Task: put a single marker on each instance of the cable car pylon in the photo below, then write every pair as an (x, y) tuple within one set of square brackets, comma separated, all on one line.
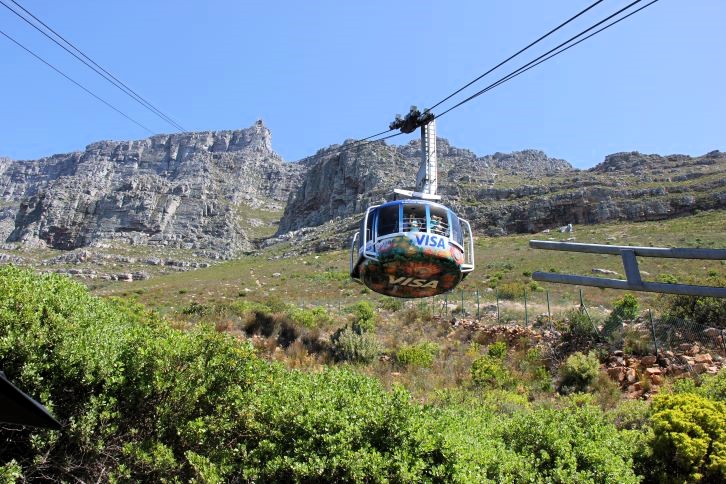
[(412, 246)]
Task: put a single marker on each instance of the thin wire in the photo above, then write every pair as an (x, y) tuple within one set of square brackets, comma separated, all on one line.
[(75, 82), (513, 75), (534, 62), (102, 72), (514, 55), (355, 144)]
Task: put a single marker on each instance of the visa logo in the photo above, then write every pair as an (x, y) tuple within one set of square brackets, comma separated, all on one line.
[(431, 241), (411, 282)]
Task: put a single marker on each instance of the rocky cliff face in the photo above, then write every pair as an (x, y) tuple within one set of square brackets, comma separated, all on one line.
[(518, 192), (183, 190), (203, 191), (341, 182)]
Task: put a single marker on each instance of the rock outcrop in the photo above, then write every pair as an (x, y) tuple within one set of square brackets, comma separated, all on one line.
[(183, 190), (202, 191), (520, 192)]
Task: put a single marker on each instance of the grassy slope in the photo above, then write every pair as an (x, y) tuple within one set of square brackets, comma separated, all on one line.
[(321, 279)]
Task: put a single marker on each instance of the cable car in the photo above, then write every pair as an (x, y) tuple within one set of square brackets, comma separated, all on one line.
[(412, 248), (415, 247)]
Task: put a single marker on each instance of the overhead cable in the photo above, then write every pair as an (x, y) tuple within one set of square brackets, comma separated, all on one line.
[(75, 82), (515, 55), (549, 54), (91, 64)]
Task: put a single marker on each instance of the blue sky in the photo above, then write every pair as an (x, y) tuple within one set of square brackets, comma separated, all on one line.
[(320, 72)]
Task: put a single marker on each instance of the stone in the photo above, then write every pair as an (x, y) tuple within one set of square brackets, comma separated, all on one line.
[(703, 358), (597, 270), (617, 374), (653, 371), (656, 379), (648, 360), (631, 375), (699, 368)]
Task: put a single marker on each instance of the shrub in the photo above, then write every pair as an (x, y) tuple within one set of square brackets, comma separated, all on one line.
[(392, 304), (310, 318), (421, 355), (350, 345), (710, 386), (626, 308), (667, 278), (579, 324), (497, 350), (489, 371), (708, 311), (689, 437), (364, 317), (512, 290), (143, 402), (578, 372), (637, 342), (573, 444)]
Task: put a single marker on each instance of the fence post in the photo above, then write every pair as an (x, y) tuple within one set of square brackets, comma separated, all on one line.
[(478, 313), (652, 330), (446, 304), (463, 311), (497, 295), (526, 314), (549, 315), (723, 340)]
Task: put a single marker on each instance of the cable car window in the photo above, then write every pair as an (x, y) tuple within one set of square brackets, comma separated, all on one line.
[(438, 221), (414, 218), (369, 227), (456, 229), (388, 220)]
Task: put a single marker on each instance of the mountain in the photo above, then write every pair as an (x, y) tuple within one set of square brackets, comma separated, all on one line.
[(220, 193), (185, 190), (524, 191)]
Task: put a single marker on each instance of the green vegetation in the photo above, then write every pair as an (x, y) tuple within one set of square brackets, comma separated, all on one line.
[(421, 355), (702, 310), (578, 372), (624, 309), (237, 373), (689, 441)]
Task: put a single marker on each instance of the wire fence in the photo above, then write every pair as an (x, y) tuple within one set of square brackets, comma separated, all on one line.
[(648, 334)]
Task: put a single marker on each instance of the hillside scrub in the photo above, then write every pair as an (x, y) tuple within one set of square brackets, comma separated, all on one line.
[(142, 401)]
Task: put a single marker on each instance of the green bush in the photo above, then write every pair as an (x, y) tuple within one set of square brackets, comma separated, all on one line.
[(512, 290), (392, 304), (708, 311), (364, 317), (421, 355), (579, 324), (637, 342), (350, 345), (689, 438), (310, 318), (625, 308), (143, 402), (573, 444), (490, 372), (497, 350), (578, 372)]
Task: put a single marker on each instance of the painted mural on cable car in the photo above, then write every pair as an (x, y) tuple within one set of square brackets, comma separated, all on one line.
[(413, 265)]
